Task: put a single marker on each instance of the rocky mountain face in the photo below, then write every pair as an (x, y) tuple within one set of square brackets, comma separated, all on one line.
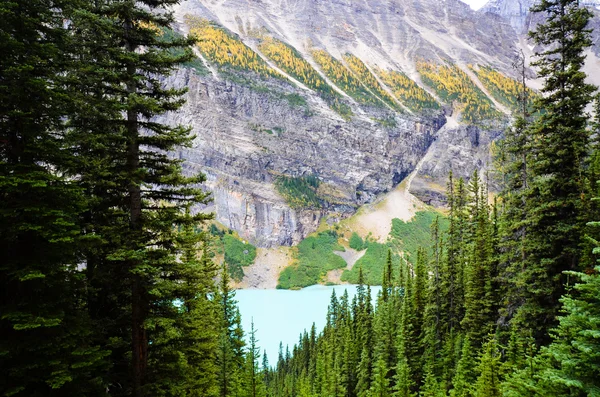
[(517, 14), (350, 98), (246, 138)]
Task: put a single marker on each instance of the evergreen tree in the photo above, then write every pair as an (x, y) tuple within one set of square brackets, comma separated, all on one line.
[(254, 386), (488, 383), (432, 387), (230, 352), (365, 338), (432, 318), (555, 197), (380, 387), (198, 317), (403, 379), (418, 312), (137, 193), (477, 275), (452, 275), (46, 346), (571, 364), (466, 374)]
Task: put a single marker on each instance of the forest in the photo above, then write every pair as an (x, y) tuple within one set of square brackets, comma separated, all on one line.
[(108, 285)]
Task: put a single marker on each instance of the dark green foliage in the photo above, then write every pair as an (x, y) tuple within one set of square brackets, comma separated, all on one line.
[(469, 315), (230, 350), (237, 255), (315, 258), (186, 335), (371, 263), (405, 236), (466, 375), (138, 195), (570, 365), (196, 64), (300, 192), (46, 344), (107, 279), (253, 382), (415, 233), (488, 383), (356, 242), (555, 201)]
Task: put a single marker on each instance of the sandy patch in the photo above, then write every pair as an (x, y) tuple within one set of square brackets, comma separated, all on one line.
[(351, 256), (376, 218), (264, 273)]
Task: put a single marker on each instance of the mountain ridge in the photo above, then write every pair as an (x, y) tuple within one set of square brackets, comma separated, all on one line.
[(335, 118)]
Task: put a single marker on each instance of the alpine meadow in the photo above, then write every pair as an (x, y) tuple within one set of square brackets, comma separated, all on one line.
[(158, 155)]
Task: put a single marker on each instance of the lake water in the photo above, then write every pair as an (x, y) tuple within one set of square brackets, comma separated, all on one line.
[(282, 315)]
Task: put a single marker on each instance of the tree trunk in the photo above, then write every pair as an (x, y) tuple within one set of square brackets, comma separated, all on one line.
[(139, 339)]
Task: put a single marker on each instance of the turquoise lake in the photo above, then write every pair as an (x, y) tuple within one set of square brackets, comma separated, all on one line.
[(282, 315)]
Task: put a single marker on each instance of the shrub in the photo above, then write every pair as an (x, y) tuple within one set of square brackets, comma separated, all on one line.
[(300, 192), (237, 255), (356, 242), (314, 259)]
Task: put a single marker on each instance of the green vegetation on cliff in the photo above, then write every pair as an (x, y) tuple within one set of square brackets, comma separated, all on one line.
[(225, 49), (504, 89), (300, 192), (505, 301), (344, 78), (407, 91), (455, 87), (363, 73), (290, 60), (405, 238), (236, 253)]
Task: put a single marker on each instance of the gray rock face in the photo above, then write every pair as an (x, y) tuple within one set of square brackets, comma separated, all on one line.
[(249, 134), (517, 14), (245, 138), (390, 32), (460, 150)]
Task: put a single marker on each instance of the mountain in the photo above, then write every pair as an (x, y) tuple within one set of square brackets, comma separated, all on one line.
[(517, 14), (306, 110)]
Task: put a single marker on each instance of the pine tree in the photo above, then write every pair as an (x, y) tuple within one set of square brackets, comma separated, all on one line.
[(230, 352), (432, 318), (477, 278), (571, 364), (432, 387), (403, 378), (488, 383), (418, 309), (365, 342), (466, 374), (451, 274), (380, 387), (47, 346), (386, 283), (254, 386), (198, 316), (555, 198), (137, 193)]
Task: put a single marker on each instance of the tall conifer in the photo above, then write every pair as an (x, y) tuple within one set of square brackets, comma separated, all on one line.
[(556, 195), (46, 346)]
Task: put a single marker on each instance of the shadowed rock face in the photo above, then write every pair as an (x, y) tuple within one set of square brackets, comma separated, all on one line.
[(248, 136)]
